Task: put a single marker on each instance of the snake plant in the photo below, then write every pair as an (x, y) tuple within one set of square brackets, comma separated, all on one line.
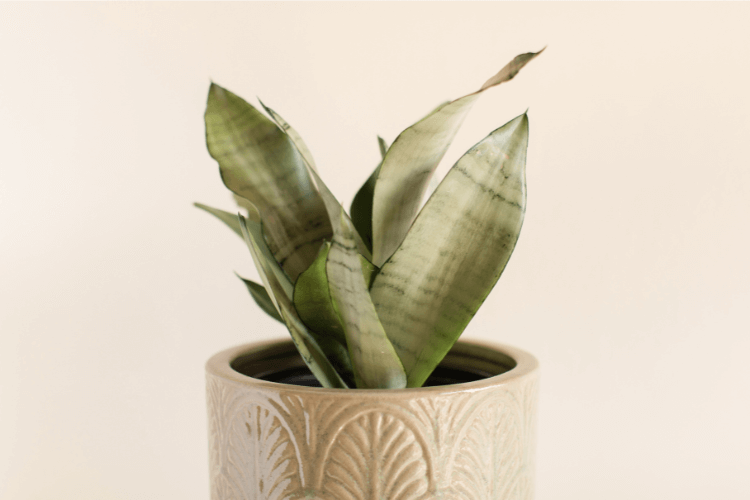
[(376, 297)]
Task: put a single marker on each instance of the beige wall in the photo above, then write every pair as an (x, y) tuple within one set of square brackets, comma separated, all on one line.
[(631, 280)]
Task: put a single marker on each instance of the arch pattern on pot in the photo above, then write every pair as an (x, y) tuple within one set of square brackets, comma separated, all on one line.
[(282, 446)]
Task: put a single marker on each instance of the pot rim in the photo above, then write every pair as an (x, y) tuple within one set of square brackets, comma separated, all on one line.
[(219, 365)]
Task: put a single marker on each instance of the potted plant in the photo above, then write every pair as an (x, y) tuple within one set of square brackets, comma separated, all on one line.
[(373, 398)]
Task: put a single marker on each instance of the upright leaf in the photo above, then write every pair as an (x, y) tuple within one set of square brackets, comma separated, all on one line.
[(375, 363), (336, 212), (458, 246), (332, 205), (307, 345), (361, 207), (412, 159), (260, 163), (293, 135), (312, 299), (383, 146)]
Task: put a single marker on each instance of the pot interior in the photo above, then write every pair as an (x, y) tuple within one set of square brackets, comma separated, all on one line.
[(280, 362)]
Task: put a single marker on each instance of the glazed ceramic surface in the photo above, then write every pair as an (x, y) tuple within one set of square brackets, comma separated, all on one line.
[(466, 441)]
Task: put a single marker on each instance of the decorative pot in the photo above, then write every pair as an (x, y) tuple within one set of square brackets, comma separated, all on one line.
[(271, 437)]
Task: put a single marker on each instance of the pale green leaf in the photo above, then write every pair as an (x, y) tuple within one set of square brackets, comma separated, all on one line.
[(368, 270), (260, 163), (293, 135), (412, 159), (261, 297), (334, 209), (374, 360), (309, 348), (458, 246), (312, 299), (332, 205), (255, 227), (361, 207)]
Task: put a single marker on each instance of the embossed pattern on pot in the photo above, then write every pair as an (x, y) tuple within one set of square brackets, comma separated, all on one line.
[(470, 441)]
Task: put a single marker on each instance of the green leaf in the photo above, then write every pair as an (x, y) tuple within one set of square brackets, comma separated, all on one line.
[(332, 205), (312, 299), (361, 207), (458, 246), (293, 135), (334, 209), (383, 147), (368, 270), (412, 159), (261, 297), (260, 163), (375, 362), (309, 348), (254, 225), (227, 218)]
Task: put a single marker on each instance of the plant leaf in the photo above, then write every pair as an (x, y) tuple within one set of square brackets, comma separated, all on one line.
[(227, 218), (293, 135), (254, 226), (368, 270), (375, 362), (260, 163), (308, 347), (335, 210), (383, 146), (361, 207), (312, 299), (458, 246), (332, 205), (261, 297), (412, 159)]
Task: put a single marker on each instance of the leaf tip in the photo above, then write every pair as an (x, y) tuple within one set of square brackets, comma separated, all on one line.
[(214, 88)]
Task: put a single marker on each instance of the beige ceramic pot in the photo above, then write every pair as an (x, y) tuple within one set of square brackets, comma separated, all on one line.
[(472, 439)]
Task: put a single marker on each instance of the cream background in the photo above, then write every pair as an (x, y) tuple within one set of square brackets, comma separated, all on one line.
[(630, 283)]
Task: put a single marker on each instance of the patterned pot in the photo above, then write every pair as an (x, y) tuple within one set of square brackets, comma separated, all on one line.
[(471, 440)]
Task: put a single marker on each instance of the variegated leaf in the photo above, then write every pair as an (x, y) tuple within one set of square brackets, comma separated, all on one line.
[(375, 363), (336, 214), (332, 205), (260, 163), (311, 351), (361, 207), (293, 135), (412, 159), (312, 299), (458, 246), (254, 226)]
